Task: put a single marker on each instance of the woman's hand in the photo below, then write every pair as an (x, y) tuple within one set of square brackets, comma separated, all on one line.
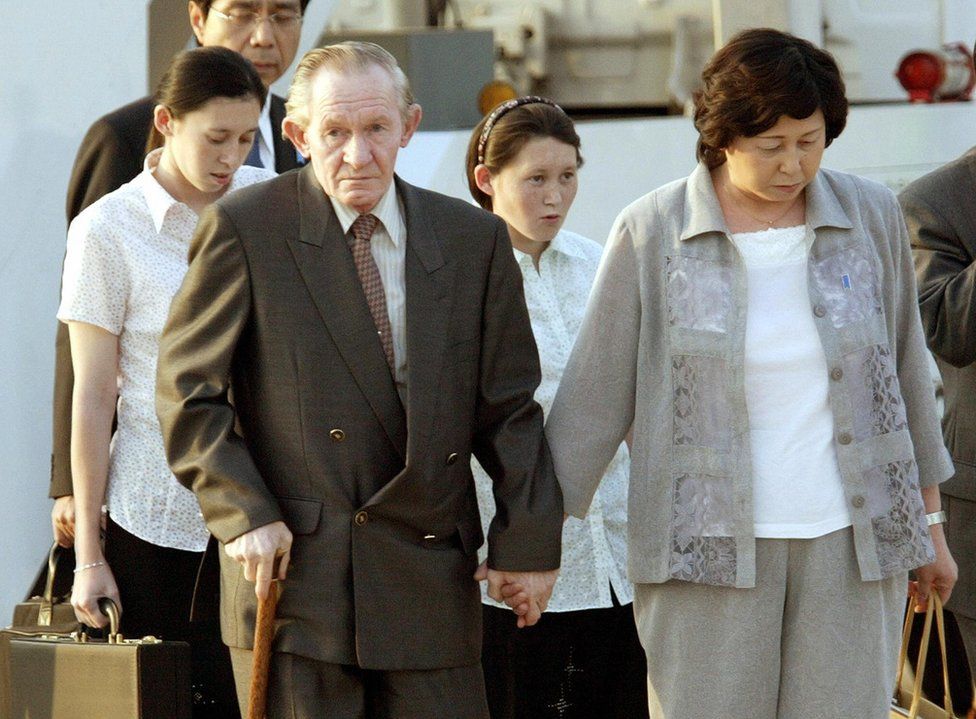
[(940, 575), (63, 521), (89, 586)]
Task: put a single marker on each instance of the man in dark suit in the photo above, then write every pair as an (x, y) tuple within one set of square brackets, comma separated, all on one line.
[(374, 335), (267, 33), (940, 209)]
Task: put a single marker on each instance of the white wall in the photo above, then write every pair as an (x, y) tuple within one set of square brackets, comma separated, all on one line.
[(67, 67), (66, 64), (59, 77)]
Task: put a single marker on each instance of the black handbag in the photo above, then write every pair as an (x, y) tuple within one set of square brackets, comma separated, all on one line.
[(49, 610), (70, 676)]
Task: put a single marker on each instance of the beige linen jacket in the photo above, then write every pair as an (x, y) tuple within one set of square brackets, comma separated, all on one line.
[(662, 348)]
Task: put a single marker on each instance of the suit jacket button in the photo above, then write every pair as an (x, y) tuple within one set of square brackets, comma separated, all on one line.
[(337, 435), (361, 518), (452, 458)]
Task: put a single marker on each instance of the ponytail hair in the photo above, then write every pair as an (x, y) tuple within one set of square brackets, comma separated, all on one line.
[(195, 77)]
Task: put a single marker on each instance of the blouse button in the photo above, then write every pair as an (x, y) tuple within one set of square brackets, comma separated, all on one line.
[(857, 501), (337, 435), (836, 373), (844, 438), (820, 310)]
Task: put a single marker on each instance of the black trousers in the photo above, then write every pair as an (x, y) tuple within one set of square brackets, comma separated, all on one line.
[(571, 665), (156, 588)]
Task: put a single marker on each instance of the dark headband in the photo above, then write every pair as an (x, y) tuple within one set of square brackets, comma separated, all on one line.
[(501, 110)]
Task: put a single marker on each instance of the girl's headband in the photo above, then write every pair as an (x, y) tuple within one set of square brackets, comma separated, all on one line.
[(501, 110)]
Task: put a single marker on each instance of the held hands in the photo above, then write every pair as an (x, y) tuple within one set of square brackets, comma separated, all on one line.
[(91, 584), (63, 521), (527, 593), (257, 550), (940, 575)]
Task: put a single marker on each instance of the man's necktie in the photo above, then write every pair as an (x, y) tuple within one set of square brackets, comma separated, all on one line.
[(369, 277), (254, 156)]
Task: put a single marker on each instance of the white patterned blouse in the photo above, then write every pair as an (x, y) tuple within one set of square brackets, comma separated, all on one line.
[(127, 254), (594, 548)]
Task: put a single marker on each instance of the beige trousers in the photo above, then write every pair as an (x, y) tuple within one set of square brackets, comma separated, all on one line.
[(810, 641)]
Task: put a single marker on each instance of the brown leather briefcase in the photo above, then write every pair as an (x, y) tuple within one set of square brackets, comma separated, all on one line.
[(58, 676)]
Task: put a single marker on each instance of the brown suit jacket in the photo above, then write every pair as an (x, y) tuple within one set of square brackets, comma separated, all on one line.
[(381, 501), (111, 154), (940, 210)]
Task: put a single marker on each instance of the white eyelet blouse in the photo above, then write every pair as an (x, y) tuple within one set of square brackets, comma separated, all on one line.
[(127, 255)]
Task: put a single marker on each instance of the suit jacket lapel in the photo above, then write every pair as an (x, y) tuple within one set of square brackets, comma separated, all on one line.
[(428, 314), (327, 267)]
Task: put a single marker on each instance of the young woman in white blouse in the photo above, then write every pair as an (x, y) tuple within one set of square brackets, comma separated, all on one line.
[(126, 257), (583, 659)]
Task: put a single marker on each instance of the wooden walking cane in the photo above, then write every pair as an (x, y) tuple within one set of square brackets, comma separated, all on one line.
[(264, 629)]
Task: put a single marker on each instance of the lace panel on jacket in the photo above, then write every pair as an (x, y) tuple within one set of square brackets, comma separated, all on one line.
[(701, 409), (876, 400), (708, 560), (898, 517), (699, 294), (848, 283)]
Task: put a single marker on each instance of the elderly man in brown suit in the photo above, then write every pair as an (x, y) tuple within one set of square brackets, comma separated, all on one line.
[(342, 343)]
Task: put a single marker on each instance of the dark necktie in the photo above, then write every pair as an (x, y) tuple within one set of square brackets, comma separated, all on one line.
[(369, 277), (254, 156)]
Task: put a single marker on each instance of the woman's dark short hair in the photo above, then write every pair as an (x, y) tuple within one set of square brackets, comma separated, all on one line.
[(758, 77), (195, 77), (509, 133)]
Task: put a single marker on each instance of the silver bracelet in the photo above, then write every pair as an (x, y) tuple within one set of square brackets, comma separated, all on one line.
[(935, 517), (83, 567)]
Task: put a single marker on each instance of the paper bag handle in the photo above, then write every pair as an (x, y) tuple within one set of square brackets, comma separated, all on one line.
[(934, 609)]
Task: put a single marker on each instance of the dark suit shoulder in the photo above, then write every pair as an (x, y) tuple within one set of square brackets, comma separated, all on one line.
[(945, 184), (451, 211), (133, 118), (267, 198), (277, 107), (110, 155), (286, 157)]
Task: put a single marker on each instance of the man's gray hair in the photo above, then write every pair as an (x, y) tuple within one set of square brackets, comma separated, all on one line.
[(350, 56)]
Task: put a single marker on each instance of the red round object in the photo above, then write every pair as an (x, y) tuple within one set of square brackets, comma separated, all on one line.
[(934, 75), (921, 73)]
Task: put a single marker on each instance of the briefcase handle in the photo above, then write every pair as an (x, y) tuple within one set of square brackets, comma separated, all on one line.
[(111, 610), (108, 607), (52, 567)]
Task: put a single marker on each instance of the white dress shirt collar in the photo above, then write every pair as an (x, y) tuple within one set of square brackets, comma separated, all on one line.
[(387, 210), (265, 138), (159, 201), (564, 243)]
